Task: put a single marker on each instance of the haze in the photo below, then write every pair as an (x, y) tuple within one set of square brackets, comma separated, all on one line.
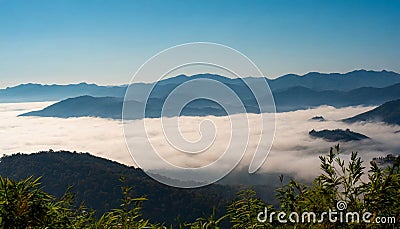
[(293, 151)]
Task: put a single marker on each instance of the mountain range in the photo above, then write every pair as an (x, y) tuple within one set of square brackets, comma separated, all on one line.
[(336, 81), (314, 81), (388, 113), (290, 92), (111, 107), (95, 182), (288, 100), (40, 93)]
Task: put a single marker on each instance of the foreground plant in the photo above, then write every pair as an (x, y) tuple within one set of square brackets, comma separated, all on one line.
[(128, 215), (23, 204), (341, 181)]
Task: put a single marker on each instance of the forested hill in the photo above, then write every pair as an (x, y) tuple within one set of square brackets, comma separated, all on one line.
[(388, 113), (96, 182)]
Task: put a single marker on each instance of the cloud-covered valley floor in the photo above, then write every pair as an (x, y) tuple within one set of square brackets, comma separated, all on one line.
[(293, 152)]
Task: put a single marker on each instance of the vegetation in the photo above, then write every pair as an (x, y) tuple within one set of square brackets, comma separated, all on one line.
[(338, 135), (95, 182), (342, 181), (318, 118), (23, 204)]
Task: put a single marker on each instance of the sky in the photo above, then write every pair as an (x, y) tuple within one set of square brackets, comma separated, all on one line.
[(105, 42)]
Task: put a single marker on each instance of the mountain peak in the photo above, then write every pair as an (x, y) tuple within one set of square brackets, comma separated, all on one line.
[(388, 113)]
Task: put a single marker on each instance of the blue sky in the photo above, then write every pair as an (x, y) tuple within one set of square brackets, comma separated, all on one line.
[(104, 42)]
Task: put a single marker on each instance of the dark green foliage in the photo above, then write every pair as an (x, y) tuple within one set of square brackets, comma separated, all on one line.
[(341, 181), (210, 222), (128, 215), (243, 212), (23, 204), (95, 183), (383, 196)]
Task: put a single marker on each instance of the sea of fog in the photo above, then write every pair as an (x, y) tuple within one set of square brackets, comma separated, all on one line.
[(293, 152)]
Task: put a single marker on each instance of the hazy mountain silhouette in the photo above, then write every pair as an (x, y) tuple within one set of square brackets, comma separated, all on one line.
[(336, 81), (302, 98), (38, 92), (111, 107), (313, 80), (388, 113), (291, 99), (104, 107)]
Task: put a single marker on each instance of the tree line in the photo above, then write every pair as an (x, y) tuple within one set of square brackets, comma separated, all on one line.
[(24, 203)]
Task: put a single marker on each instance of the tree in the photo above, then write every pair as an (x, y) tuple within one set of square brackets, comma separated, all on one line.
[(341, 181), (24, 204), (243, 212)]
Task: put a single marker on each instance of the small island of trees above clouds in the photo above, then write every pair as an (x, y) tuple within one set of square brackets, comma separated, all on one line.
[(338, 135)]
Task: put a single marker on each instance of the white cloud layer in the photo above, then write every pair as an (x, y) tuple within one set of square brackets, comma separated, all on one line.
[(293, 151)]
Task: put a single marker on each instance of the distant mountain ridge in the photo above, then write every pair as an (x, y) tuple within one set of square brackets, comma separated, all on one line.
[(83, 106), (313, 80), (388, 113), (291, 99), (40, 93), (111, 107), (302, 98), (337, 81)]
